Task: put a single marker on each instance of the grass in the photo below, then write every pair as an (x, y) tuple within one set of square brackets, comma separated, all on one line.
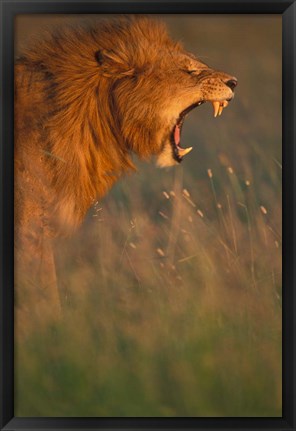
[(172, 287), (175, 312)]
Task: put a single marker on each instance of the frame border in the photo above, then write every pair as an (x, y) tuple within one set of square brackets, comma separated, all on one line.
[(8, 9)]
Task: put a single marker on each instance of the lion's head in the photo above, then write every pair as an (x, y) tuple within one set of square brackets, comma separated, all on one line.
[(156, 84)]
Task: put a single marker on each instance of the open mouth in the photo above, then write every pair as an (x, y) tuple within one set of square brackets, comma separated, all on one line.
[(178, 151)]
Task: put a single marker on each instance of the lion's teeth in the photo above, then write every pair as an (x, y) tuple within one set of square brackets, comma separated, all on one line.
[(216, 106), (183, 151)]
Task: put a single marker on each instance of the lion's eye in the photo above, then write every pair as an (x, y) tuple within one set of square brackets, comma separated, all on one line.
[(191, 72)]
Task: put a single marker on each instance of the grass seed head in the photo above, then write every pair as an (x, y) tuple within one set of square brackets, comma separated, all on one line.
[(186, 193), (160, 252), (263, 210)]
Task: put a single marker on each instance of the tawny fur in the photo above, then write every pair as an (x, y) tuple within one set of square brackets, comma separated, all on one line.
[(86, 99)]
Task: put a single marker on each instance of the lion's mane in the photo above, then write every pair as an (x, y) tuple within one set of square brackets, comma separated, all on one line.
[(77, 146)]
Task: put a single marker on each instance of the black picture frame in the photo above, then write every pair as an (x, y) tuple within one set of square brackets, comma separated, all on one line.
[(9, 9)]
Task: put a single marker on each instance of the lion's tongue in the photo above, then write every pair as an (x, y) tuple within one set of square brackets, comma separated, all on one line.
[(177, 136)]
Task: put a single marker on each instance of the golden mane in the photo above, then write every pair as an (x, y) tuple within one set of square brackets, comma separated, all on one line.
[(84, 141)]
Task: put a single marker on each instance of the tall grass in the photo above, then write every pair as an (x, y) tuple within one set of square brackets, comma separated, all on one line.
[(168, 312), (171, 289)]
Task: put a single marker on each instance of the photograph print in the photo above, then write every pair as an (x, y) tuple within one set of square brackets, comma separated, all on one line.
[(147, 198)]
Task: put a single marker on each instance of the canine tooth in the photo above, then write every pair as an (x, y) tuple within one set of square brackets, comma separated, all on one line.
[(225, 103), (183, 151), (216, 106), (220, 110)]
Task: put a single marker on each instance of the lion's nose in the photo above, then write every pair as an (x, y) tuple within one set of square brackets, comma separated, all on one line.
[(231, 83)]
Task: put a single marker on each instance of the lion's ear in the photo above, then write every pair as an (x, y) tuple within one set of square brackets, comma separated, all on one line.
[(112, 63), (99, 56), (104, 56)]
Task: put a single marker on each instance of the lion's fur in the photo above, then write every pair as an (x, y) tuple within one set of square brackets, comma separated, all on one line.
[(85, 100)]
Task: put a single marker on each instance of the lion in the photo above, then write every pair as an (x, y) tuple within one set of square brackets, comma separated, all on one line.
[(86, 100)]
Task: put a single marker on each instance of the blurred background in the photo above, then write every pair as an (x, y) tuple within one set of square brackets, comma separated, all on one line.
[(172, 286)]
